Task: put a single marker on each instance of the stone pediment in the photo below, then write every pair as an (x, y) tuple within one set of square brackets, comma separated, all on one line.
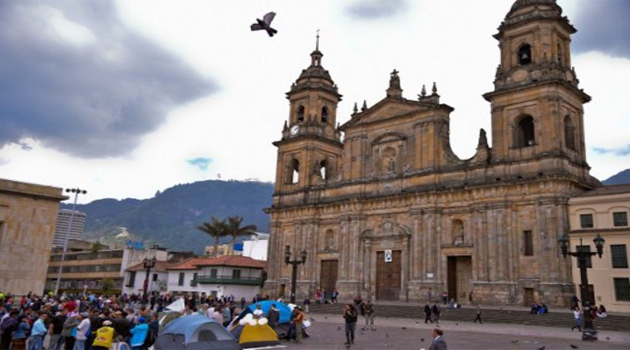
[(386, 109), (386, 229)]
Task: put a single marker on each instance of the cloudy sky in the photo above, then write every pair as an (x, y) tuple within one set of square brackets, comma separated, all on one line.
[(124, 98)]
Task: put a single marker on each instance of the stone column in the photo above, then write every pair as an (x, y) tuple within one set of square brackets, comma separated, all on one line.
[(367, 268), (405, 268)]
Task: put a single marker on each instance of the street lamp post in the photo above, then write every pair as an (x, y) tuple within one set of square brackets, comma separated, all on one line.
[(588, 331), (294, 263), (76, 192), (148, 265)]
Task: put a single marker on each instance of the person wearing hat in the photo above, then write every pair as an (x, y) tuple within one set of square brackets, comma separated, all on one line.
[(104, 336), (139, 334)]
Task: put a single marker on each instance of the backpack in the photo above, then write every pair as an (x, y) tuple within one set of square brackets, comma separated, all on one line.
[(149, 340)]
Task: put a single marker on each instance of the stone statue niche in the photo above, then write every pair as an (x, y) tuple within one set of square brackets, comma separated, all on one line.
[(458, 233)]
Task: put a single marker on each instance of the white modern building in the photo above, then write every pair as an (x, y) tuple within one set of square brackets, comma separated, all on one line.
[(64, 218), (226, 275), (256, 247)]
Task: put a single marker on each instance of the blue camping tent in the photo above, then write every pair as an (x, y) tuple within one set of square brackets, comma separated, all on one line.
[(195, 332), (285, 310)]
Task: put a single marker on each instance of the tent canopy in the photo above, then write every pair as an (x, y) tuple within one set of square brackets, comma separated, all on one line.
[(285, 310), (195, 332)]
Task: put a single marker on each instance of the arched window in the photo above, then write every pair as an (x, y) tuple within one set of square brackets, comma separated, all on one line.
[(458, 232), (294, 171), (569, 133), (324, 170), (525, 54), (525, 132), (324, 114), (329, 240), (300, 114)]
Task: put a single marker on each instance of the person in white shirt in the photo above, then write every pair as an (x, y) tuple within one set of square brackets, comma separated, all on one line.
[(82, 331)]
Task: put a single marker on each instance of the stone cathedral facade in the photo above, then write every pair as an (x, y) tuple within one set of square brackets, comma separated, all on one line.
[(389, 212)]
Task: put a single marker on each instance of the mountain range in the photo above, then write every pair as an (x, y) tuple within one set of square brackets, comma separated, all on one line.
[(171, 217)]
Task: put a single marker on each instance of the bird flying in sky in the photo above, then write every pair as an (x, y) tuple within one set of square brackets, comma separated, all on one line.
[(265, 24)]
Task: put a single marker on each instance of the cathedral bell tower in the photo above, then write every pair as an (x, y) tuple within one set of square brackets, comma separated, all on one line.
[(537, 113), (309, 153)]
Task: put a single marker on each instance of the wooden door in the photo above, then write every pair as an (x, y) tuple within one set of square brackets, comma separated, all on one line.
[(452, 278), (388, 276), (328, 275)]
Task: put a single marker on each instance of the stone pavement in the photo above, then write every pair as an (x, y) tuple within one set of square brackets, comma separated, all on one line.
[(327, 332)]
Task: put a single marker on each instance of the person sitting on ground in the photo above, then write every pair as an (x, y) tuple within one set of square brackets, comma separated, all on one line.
[(258, 313), (534, 309), (601, 312)]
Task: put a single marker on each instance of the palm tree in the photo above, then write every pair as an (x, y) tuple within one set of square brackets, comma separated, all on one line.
[(215, 229), (234, 229)]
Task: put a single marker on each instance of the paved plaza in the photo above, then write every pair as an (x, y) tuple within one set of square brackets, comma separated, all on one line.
[(327, 332)]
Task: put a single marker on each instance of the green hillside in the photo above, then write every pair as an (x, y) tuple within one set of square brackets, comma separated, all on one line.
[(171, 217)]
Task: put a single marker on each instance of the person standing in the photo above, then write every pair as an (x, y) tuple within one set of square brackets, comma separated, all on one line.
[(477, 313), (427, 313), (350, 315), (307, 304), (368, 308), (38, 332), (438, 342), (69, 331), (18, 341), (83, 330), (139, 334), (445, 297), (298, 319), (104, 336), (436, 311), (578, 319), (8, 326), (56, 328), (333, 296), (273, 317)]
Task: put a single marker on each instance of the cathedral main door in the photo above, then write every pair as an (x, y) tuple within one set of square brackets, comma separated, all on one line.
[(328, 276), (459, 277), (388, 276)]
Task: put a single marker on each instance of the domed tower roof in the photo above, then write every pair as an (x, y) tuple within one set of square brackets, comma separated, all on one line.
[(315, 76), (528, 10)]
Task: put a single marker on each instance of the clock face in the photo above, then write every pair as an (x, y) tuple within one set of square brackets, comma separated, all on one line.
[(294, 129)]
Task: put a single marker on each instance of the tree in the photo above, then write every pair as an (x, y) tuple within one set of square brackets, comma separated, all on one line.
[(234, 229), (107, 284), (216, 229)]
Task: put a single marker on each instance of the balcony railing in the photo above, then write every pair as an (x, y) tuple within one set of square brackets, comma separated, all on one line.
[(248, 281)]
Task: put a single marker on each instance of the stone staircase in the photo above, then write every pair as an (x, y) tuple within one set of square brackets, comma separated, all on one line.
[(562, 319)]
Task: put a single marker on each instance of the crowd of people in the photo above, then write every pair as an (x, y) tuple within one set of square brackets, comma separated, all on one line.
[(89, 321)]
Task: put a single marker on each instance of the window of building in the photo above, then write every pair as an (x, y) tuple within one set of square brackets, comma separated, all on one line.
[(132, 279), (300, 114), (323, 169), (525, 136), (294, 171), (195, 276), (213, 273), (619, 256), (585, 248), (525, 54), (620, 219), (236, 274), (324, 114), (586, 220), (569, 133), (622, 289), (155, 277), (528, 243), (180, 282)]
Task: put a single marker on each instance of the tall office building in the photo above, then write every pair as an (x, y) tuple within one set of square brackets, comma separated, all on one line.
[(63, 222)]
